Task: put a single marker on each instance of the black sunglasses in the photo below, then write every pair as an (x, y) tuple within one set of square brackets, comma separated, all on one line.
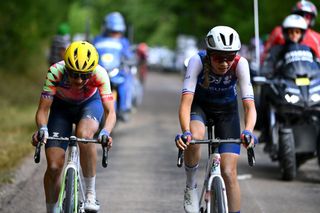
[(222, 56), (76, 75)]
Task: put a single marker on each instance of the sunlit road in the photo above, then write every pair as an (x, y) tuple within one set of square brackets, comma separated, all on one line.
[(142, 176)]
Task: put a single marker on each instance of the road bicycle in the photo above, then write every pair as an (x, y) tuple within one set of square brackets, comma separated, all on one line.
[(69, 200), (213, 194)]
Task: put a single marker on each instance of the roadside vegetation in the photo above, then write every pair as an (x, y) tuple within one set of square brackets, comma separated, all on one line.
[(18, 101)]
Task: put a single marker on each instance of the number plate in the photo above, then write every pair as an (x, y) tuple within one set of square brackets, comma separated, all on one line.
[(302, 81)]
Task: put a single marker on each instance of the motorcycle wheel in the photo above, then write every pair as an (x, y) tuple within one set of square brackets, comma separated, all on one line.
[(287, 158)]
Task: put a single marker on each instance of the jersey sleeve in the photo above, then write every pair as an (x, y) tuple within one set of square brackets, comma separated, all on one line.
[(103, 84), (54, 75), (243, 75), (194, 68)]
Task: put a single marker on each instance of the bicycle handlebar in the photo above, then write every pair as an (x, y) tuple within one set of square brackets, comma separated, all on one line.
[(250, 151), (103, 143)]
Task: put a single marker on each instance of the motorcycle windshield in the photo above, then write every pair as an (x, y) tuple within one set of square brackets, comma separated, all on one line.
[(299, 63)]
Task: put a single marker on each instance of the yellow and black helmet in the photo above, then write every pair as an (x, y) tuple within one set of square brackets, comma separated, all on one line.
[(81, 56)]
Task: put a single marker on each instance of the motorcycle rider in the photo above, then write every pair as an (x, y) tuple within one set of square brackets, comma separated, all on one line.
[(309, 12), (294, 29), (111, 44)]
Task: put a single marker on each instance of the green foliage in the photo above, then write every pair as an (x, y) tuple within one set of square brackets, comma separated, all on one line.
[(24, 25), (18, 101), (158, 23)]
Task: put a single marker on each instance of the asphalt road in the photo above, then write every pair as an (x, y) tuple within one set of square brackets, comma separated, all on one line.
[(142, 176)]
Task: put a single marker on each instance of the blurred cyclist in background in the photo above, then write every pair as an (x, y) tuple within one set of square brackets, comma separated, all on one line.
[(76, 91), (309, 12), (142, 54), (115, 51), (59, 43)]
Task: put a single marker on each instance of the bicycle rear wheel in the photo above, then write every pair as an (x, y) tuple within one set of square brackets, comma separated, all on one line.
[(69, 199), (218, 202)]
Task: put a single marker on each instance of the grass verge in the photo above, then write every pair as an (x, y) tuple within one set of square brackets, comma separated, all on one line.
[(19, 96)]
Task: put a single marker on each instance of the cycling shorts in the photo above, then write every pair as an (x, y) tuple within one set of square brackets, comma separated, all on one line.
[(63, 115), (226, 122)]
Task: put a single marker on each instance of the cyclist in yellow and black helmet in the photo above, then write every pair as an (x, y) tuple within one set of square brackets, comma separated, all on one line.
[(76, 91), (81, 57)]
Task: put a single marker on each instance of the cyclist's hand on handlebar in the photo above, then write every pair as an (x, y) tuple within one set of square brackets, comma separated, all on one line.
[(40, 135), (249, 140), (105, 134), (182, 140)]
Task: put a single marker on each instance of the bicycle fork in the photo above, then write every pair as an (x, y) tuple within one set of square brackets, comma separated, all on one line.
[(73, 163), (214, 172)]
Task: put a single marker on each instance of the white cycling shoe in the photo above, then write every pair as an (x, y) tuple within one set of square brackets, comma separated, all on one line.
[(91, 204), (191, 200)]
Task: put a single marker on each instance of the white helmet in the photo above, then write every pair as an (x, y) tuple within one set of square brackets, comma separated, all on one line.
[(294, 21), (223, 38)]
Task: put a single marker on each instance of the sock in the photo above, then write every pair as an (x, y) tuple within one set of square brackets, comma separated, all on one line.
[(191, 172), (52, 207), (90, 185)]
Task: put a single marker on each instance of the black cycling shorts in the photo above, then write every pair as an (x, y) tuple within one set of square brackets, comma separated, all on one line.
[(226, 122)]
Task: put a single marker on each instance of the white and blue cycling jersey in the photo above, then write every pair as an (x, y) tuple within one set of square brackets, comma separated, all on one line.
[(222, 88)]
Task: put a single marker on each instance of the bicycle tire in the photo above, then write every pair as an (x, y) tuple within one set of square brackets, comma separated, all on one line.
[(217, 200), (69, 199)]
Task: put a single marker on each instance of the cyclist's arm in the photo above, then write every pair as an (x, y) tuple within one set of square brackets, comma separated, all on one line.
[(189, 86), (43, 111), (250, 114), (103, 83), (243, 74), (185, 110), (110, 115), (54, 75)]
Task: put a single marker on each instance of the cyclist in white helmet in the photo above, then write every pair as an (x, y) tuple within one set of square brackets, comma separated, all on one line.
[(209, 92)]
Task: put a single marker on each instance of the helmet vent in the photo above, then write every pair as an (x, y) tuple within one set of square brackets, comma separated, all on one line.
[(77, 65), (91, 65), (231, 39), (211, 41), (224, 39), (69, 62), (84, 65), (75, 53)]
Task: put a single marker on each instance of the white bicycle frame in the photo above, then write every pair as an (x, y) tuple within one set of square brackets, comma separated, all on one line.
[(212, 171), (73, 161)]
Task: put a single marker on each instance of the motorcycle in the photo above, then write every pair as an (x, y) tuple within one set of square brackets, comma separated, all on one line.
[(293, 111), (121, 74)]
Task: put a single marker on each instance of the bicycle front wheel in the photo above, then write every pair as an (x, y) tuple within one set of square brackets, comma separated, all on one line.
[(69, 199), (218, 202)]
